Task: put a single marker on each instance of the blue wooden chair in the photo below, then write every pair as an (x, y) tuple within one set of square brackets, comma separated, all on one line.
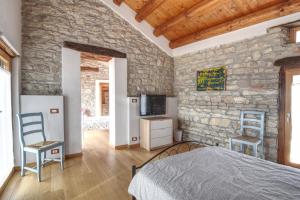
[(255, 125), (33, 123)]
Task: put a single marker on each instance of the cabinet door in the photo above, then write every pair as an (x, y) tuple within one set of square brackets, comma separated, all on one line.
[(156, 142), (156, 133), (158, 124)]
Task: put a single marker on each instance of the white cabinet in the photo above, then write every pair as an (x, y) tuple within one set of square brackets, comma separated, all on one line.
[(156, 132)]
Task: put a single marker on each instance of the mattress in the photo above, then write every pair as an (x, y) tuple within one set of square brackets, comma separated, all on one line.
[(215, 173)]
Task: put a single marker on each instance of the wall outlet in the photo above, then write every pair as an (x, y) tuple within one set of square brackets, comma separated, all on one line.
[(134, 138), (54, 151)]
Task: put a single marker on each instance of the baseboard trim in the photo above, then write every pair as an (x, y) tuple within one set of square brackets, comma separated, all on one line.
[(121, 147), (33, 164), (75, 155), (134, 146), (127, 146), (2, 188)]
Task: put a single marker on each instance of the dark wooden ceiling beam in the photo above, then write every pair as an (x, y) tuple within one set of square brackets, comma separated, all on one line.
[(278, 10), (202, 7), (147, 9), (91, 56), (89, 69), (94, 49), (118, 2)]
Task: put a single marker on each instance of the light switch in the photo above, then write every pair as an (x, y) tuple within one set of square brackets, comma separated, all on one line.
[(54, 110)]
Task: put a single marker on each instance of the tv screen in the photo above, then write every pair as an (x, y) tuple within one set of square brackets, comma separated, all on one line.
[(152, 105)]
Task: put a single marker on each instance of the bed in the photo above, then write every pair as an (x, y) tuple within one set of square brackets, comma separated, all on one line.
[(214, 173)]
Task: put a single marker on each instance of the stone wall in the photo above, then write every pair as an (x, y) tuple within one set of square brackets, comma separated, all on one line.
[(47, 24), (252, 84), (88, 83)]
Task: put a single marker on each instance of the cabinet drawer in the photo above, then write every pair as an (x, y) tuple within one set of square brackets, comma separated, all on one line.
[(156, 142), (161, 132), (161, 124)]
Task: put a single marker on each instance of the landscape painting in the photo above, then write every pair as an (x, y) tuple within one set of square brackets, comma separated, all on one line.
[(211, 79)]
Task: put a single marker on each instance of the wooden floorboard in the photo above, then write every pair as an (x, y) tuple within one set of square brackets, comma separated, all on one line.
[(101, 173)]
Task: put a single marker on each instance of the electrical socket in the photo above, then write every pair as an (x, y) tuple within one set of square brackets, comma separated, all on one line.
[(54, 151)]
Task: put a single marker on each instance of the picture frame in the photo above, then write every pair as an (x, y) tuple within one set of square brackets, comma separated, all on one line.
[(211, 79)]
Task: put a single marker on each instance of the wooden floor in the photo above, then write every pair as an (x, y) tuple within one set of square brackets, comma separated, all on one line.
[(101, 173)]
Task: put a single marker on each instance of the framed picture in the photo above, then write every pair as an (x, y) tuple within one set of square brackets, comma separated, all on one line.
[(211, 79)]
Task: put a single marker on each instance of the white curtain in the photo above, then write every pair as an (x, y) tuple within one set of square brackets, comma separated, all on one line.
[(6, 136)]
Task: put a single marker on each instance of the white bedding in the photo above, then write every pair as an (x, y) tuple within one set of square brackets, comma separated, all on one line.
[(214, 173)]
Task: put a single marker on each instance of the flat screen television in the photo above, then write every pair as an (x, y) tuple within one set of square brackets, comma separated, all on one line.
[(152, 105)]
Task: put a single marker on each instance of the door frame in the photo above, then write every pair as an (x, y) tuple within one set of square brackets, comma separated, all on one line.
[(286, 64), (97, 95)]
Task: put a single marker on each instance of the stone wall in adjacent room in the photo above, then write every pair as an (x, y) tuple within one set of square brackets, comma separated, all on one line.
[(252, 84), (47, 24), (88, 84)]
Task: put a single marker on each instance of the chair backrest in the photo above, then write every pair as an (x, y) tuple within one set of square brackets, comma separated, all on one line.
[(30, 123), (254, 120)]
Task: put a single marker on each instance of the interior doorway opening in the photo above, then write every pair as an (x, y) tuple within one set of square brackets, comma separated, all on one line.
[(71, 89), (94, 78)]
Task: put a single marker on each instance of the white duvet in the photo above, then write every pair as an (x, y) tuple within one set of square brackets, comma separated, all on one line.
[(214, 173)]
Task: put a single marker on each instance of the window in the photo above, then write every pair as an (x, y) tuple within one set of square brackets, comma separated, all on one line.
[(295, 34), (295, 108), (4, 63), (6, 135)]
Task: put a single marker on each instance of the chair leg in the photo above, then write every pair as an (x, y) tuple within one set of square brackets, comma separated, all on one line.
[(262, 152), (242, 148), (62, 157), (23, 162), (255, 150), (43, 159), (230, 144), (38, 165)]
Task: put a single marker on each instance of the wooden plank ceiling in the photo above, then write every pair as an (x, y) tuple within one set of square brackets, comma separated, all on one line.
[(187, 21)]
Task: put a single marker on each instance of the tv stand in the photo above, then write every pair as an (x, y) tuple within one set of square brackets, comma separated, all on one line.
[(156, 132)]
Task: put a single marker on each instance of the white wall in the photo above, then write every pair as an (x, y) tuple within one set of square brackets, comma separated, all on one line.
[(54, 123), (118, 109), (134, 116), (71, 92), (10, 22)]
